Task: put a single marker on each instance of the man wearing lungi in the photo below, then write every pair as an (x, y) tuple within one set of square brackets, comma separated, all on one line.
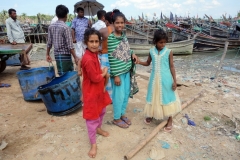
[(59, 35)]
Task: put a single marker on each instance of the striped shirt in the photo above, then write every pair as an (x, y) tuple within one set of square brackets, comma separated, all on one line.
[(121, 63), (59, 35)]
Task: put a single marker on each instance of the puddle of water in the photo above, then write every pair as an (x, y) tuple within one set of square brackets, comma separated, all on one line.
[(231, 69)]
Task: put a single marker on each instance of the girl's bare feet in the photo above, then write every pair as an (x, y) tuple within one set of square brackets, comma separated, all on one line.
[(102, 132), (148, 120), (168, 126), (93, 151)]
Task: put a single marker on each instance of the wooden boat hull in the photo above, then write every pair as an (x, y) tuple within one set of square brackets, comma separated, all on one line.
[(218, 32), (205, 49), (181, 47), (138, 40), (209, 42), (218, 42)]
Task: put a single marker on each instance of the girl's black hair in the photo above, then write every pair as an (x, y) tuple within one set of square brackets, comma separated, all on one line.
[(159, 35), (89, 32), (116, 13), (108, 17)]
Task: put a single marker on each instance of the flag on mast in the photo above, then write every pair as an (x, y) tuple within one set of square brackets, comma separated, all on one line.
[(139, 18), (171, 16)]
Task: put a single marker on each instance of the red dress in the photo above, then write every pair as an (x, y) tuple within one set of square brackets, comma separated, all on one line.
[(94, 97)]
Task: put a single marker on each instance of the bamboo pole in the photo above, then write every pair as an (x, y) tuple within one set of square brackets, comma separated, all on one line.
[(130, 154), (227, 85), (221, 61)]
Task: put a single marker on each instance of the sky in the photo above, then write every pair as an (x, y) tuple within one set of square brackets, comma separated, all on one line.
[(135, 8)]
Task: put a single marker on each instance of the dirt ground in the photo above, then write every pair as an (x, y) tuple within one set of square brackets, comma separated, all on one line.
[(33, 134)]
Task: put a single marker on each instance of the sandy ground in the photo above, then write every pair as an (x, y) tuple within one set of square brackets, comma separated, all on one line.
[(33, 134)]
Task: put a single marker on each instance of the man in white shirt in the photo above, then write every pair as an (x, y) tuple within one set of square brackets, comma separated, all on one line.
[(100, 24), (16, 35), (55, 19), (101, 20)]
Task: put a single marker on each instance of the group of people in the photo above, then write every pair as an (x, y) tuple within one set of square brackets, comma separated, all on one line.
[(105, 61)]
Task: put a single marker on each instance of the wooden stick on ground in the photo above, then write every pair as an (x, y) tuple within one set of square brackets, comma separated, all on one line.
[(130, 154), (221, 61), (227, 85)]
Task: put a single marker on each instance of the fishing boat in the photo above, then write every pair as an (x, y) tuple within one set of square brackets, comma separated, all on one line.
[(140, 38), (202, 40), (181, 47), (218, 32)]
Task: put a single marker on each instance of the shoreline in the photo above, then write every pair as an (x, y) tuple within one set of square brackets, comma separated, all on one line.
[(31, 133)]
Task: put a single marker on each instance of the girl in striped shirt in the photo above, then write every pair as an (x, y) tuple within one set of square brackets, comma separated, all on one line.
[(120, 60)]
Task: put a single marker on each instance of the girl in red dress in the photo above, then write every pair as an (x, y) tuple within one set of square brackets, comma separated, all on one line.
[(95, 97)]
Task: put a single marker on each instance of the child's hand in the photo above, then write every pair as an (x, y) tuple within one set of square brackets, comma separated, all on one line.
[(107, 76), (135, 59), (80, 72), (174, 86), (117, 81), (104, 70)]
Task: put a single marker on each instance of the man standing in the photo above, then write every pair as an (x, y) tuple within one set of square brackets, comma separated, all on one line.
[(59, 35), (16, 35), (79, 25)]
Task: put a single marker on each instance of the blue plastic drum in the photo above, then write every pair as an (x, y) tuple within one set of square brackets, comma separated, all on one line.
[(31, 79), (13, 60), (62, 95)]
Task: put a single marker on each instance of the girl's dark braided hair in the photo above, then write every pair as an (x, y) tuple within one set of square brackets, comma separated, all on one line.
[(159, 35)]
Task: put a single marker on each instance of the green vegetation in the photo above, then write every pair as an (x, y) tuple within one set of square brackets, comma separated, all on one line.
[(207, 118), (3, 16), (39, 18)]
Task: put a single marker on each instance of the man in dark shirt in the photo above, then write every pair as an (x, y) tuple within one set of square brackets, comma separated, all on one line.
[(59, 35)]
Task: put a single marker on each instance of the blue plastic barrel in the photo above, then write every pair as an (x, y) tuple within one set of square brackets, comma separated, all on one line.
[(62, 93), (13, 60), (31, 79)]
